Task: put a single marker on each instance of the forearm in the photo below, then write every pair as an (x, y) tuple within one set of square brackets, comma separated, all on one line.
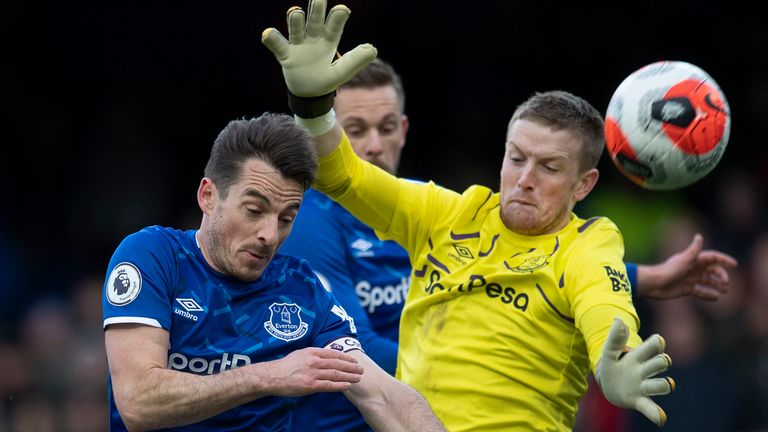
[(166, 398), (388, 404), (645, 278), (398, 407), (595, 324), (327, 142)]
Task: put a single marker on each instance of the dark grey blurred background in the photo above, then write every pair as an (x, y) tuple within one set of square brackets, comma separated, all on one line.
[(109, 112)]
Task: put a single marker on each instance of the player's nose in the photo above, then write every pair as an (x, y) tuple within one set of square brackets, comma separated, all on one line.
[(527, 177), (374, 146), (268, 230)]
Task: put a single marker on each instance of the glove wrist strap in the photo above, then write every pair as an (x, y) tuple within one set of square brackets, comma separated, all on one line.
[(310, 107)]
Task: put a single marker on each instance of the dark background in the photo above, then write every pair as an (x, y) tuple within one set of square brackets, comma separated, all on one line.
[(109, 110)]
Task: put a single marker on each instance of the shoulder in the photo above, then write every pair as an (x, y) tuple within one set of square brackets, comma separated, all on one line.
[(315, 200), (320, 220), (478, 198), (476, 192), (596, 225), (154, 245), (153, 237), (588, 237), (318, 206)]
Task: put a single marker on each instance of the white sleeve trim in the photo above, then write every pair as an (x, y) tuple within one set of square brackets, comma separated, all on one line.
[(132, 320)]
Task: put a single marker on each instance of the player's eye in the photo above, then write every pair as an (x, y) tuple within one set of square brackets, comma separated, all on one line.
[(355, 132), (388, 129)]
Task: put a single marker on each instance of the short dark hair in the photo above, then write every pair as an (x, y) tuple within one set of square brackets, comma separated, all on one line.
[(562, 110), (273, 138), (378, 73)]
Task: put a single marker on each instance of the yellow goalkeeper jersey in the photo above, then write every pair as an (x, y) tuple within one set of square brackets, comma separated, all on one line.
[(499, 330)]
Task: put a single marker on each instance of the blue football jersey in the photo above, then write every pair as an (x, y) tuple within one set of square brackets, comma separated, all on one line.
[(159, 277), (370, 279)]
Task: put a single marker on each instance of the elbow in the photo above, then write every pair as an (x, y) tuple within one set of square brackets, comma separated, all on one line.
[(132, 420), (132, 413)]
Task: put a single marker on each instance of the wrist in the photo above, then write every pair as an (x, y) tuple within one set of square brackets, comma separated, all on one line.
[(318, 125), (645, 277), (310, 107), (257, 378)]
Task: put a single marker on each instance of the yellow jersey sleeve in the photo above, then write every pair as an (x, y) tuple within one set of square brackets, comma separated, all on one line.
[(398, 209), (600, 288)]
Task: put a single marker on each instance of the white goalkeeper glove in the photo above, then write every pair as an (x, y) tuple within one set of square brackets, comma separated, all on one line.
[(625, 377), (307, 57)]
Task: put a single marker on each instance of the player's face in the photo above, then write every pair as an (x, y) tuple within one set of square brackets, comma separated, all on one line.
[(247, 227), (540, 179), (374, 124)]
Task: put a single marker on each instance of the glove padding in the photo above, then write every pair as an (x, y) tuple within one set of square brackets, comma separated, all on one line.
[(307, 56), (625, 376)]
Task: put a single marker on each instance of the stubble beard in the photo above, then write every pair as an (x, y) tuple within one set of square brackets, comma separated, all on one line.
[(221, 260)]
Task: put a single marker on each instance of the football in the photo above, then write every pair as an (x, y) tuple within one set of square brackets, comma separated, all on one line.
[(667, 125)]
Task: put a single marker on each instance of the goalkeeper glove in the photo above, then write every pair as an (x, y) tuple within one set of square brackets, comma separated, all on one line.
[(307, 57), (625, 376)]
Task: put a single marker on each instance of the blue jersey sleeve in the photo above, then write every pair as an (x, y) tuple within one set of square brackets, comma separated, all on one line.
[(632, 275), (137, 287), (317, 237)]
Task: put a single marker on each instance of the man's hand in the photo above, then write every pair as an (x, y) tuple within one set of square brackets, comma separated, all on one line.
[(307, 57), (699, 273), (625, 376), (311, 370)]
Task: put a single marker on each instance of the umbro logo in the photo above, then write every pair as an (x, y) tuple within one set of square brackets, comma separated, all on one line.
[(463, 251), (362, 248), (462, 254), (190, 305), (361, 245)]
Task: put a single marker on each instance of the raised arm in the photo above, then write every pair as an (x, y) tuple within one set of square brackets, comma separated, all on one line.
[(310, 71), (148, 395)]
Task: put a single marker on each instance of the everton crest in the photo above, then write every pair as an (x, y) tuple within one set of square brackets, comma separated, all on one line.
[(530, 264), (285, 321)]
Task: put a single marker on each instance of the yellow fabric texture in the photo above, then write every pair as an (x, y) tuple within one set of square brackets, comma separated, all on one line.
[(499, 330)]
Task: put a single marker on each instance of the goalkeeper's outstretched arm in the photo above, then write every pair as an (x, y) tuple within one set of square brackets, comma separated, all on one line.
[(312, 76)]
